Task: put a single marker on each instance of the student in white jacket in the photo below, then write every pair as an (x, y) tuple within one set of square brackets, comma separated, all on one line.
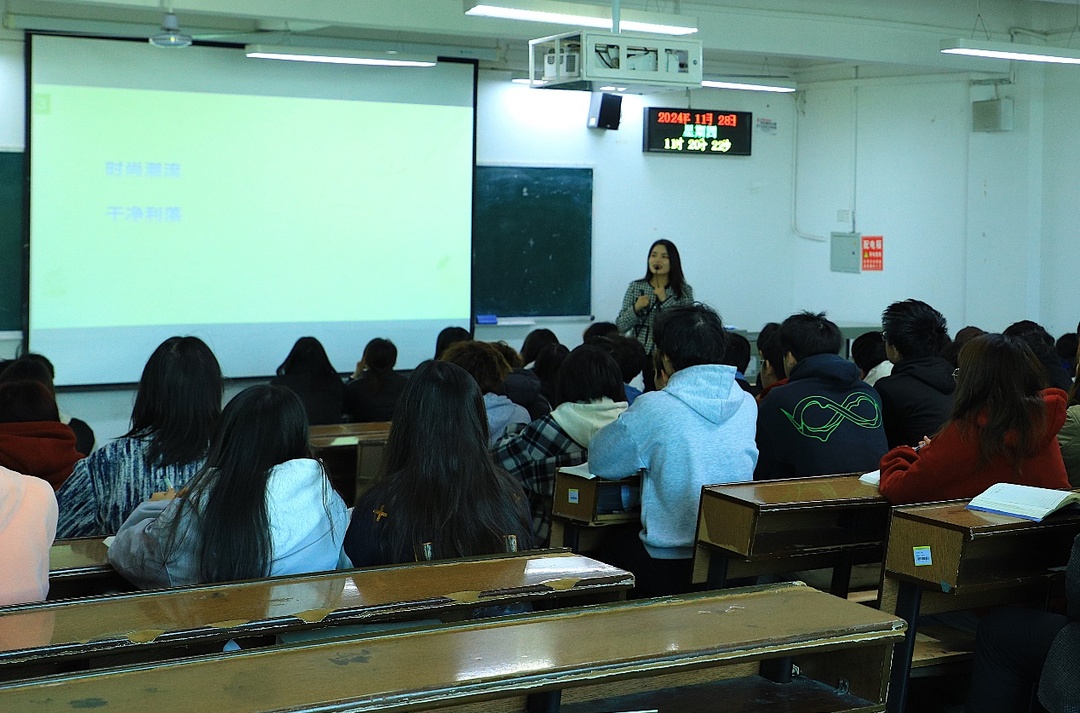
[(260, 507)]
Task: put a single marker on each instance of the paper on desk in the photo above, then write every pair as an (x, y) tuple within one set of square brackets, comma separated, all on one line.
[(108, 540), (582, 471), (871, 478)]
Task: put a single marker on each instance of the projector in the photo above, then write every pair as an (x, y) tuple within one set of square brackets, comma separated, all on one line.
[(595, 61)]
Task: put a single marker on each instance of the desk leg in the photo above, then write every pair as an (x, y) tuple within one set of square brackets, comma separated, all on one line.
[(841, 575), (572, 537), (547, 702), (777, 670), (908, 600), (557, 534), (717, 578)]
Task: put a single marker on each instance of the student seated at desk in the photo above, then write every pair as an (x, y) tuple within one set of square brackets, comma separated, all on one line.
[(697, 430), (260, 507), (825, 419), (37, 368), (917, 396), (375, 387), (484, 363), (176, 407), (1003, 429), (439, 494), (590, 395), (308, 372), (27, 529), (1017, 649), (32, 439)]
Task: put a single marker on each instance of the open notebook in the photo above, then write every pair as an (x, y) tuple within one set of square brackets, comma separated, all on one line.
[(1023, 501)]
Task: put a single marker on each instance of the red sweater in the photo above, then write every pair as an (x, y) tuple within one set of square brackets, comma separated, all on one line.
[(44, 449), (948, 468)]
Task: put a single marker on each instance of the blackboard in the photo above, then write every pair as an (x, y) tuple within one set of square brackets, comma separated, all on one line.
[(11, 241), (532, 241)]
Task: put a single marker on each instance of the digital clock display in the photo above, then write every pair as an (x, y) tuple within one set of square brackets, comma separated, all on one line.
[(697, 131)]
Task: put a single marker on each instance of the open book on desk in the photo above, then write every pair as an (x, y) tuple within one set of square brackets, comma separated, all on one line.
[(1023, 501)]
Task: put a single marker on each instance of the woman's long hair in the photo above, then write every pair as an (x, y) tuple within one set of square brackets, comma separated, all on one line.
[(676, 281), (308, 358), (998, 399), (178, 402), (441, 483), (263, 426)]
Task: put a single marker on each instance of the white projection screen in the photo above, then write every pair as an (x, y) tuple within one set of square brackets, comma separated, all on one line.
[(247, 202)]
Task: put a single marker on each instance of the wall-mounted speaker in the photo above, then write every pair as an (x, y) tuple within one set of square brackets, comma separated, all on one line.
[(605, 110), (992, 115)]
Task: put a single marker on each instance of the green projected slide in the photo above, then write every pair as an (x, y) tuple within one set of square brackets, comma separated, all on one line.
[(170, 208)]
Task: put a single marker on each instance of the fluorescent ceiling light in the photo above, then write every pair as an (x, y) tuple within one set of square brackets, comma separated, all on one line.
[(1011, 50), (338, 56), (751, 84), (567, 13)]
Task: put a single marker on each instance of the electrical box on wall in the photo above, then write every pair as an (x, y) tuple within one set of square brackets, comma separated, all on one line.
[(845, 252), (992, 115), (602, 61)]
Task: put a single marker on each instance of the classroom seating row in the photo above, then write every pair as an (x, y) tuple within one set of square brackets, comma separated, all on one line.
[(938, 557), (787, 643)]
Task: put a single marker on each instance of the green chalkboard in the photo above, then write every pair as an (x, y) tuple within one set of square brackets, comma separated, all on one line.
[(12, 262), (532, 241)]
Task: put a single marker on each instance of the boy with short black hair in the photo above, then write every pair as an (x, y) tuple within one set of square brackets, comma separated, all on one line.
[(697, 430), (825, 419), (917, 398)]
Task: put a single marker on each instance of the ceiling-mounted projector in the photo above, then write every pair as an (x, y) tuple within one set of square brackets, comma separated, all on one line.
[(601, 61)]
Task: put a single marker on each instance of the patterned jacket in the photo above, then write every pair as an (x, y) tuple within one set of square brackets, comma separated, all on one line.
[(532, 456), (107, 486)]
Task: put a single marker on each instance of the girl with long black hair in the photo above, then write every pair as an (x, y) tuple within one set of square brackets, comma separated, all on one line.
[(260, 507), (439, 493)]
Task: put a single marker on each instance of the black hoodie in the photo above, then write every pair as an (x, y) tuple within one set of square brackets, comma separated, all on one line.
[(916, 399), (825, 420)]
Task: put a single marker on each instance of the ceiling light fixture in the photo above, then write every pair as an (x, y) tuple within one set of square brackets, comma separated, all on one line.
[(753, 84), (567, 13), (338, 56), (170, 35), (1010, 50)]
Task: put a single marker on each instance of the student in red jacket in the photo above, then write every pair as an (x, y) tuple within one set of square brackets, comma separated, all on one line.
[(1003, 429)]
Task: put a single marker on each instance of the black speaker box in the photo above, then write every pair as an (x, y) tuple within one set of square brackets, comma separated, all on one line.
[(605, 110)]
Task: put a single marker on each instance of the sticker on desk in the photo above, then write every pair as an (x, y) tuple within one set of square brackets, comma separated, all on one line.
[(572, 495), (922, 556)]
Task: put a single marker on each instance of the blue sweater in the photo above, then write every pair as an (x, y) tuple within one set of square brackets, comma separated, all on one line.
[(699, 430)]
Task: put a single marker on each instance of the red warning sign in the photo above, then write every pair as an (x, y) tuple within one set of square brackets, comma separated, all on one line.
[(873, 254)]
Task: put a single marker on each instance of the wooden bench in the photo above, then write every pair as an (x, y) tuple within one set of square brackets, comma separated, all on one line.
[(576, 514), (780, 526), (943, 557), (42, 638), (80, 567), (350, 453), (840, 651)]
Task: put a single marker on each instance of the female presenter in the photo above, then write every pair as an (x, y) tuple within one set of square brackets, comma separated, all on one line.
[(663, 287)]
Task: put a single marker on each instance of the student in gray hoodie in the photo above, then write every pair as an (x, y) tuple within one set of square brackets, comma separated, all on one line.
[(698, 430)]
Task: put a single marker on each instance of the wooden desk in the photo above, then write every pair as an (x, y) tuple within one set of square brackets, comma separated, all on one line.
[(35, 638), (80, 568), (841, 650), (943, 557), (777, 526), (576, 513), (350, 453)]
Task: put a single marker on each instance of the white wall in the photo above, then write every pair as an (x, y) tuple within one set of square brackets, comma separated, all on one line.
[(726, 214), (1060, 198)]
